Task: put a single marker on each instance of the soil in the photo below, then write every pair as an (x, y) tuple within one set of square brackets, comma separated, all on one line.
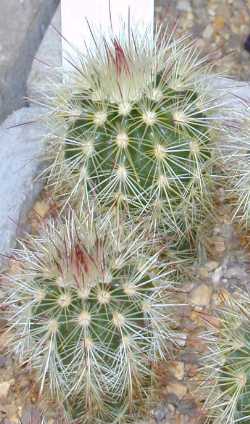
[(219, 26)]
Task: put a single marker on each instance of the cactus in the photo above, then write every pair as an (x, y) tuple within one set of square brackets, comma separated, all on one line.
[(233, 152), (237, 170), (134, 127), (91, 312), (227, 366)]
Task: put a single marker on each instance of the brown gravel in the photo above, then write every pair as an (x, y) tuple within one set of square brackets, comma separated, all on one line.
[(221, 26)]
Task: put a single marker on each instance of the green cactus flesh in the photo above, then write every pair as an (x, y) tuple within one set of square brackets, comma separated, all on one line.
[(91, 314), (139, 138), (235, 383), (142, 159)]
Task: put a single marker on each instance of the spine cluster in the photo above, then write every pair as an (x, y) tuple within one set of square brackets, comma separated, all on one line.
[(91, 313), (136, 131), (227, 365)]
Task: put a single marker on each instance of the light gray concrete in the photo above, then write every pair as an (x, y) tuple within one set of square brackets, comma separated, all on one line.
[(47, 59), (22, 26), (20, 153), (21, 146), (234, 94)]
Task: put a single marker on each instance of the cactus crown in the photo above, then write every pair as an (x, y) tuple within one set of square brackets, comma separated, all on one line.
[(227, 366), (90, 310), (137, 119)]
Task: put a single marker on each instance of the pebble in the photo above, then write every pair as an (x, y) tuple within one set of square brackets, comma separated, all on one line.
[(41, 208), (201, 295), (4, 388), (184, 6), (212, 265), (160, 414), (216, 300), (203, 272), (181, 339), (208, 32), (218, 23), (4, 341), (14, 419), (3, 361), (177, 369), (216, 277), (192, 370), (219, 245), (177, 388), (187, 407)]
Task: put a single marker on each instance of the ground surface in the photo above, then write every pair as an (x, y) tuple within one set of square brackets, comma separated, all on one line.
[(22, 26), (221, 26)]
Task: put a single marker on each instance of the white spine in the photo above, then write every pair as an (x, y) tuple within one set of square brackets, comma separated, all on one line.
[(102, 14)]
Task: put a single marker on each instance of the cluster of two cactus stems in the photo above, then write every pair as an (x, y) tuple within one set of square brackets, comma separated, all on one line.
[(133, 149)]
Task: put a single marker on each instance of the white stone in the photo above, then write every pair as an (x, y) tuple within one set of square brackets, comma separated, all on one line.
[(208, 31), (184, 6)]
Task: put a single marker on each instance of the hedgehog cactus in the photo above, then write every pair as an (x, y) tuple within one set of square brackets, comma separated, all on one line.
[(227, 366), (133, 127), (91, 313), (236, 157)]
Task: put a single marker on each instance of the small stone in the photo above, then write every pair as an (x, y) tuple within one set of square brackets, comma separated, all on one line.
[(201, 295), (217, 231), (192, 370), (41, 208), (177, 369), (5, 339), (216, 277), (189, 357), (184, 6), (216, 300), (4, 388), (211, 12), (14, 419), (200, 43), (212, 265), (203, 272), (181, 339), (177, 388), (187, 407), (219, 245), (219, 23), (208, 32), (3, 361), (160, 414)]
